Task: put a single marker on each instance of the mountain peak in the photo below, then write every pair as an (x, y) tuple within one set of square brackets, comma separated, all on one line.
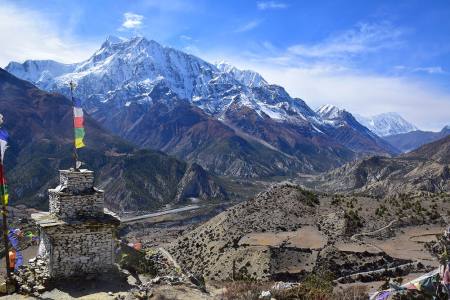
[(112, 39), (329, 111), (385, 124), (246, 77)]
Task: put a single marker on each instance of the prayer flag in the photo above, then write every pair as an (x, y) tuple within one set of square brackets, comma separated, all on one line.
[(3, 187), (78, 123), (3, 143)]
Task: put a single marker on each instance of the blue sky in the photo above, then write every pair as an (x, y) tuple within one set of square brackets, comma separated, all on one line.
[(366, 56)]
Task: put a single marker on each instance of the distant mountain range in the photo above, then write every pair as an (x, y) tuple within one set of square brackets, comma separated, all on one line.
[(426, 169), (41, 139), (229, 121), (386, 124), (414, 139), (350, 132)]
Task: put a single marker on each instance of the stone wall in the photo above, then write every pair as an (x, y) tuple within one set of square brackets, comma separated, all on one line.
[(70, 206), (76, 196), (77, 236), (78, 249), (44, 245), (76, 181)]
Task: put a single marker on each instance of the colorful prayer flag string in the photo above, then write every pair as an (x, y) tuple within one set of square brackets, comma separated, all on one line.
[(3, 143), (3, 186), (78, 123)]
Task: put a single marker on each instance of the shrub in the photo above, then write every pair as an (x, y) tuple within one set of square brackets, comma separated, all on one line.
[(244, 290), (316, 286), (358, 292)]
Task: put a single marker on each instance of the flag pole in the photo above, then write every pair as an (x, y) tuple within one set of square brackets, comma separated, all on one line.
[(5, 225), (75, 153), (4, 137)]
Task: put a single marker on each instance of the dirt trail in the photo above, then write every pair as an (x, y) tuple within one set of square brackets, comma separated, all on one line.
[(170, 258), (353, 237), (374, 272)]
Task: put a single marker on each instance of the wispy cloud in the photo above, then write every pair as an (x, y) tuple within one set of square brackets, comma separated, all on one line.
[(248, 26), (185, 37), (27, 34), (364, 38), (365, 93), (432, 70), (132, 20), (264, 5)]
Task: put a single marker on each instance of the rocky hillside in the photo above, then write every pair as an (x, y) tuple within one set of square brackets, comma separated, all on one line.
[(412, 140), (165, 99), (283, 234), (40, 126), (187, 132), (214, 247), (425, 169)]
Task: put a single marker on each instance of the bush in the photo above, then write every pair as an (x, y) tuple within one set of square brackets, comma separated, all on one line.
[(358, 292), (316, 286), (244, 290), (311, 198)]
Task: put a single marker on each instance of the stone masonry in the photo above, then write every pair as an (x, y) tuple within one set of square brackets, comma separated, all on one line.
[(77, 236)]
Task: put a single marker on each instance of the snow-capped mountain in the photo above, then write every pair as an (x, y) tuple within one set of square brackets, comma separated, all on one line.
[(329, 112), (216, 115), (246, 77), (387, 124), (352, 133), (129, 70)]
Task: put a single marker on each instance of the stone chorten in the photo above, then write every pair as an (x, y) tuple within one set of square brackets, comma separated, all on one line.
[(77, 236)]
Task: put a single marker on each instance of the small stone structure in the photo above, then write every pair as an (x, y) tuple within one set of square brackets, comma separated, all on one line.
[(77, 236)]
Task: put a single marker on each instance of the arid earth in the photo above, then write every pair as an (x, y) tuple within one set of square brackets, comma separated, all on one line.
[(286, 232), (282, 234)]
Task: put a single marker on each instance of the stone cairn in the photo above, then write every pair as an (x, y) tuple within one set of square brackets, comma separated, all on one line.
[(77, 235)]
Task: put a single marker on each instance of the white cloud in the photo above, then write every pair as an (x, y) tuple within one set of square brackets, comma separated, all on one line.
[(248, 26), (423, 104), (26, 34), (132, 21), (364, 38), (430, 70), (264, 5), (185, 37)]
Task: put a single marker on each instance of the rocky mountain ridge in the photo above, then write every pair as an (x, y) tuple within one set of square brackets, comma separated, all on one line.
[(426, 169), (350, 132), (414, 139)]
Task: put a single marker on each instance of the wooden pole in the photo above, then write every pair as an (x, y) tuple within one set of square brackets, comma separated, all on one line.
[(5, 225), (75, 153)]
